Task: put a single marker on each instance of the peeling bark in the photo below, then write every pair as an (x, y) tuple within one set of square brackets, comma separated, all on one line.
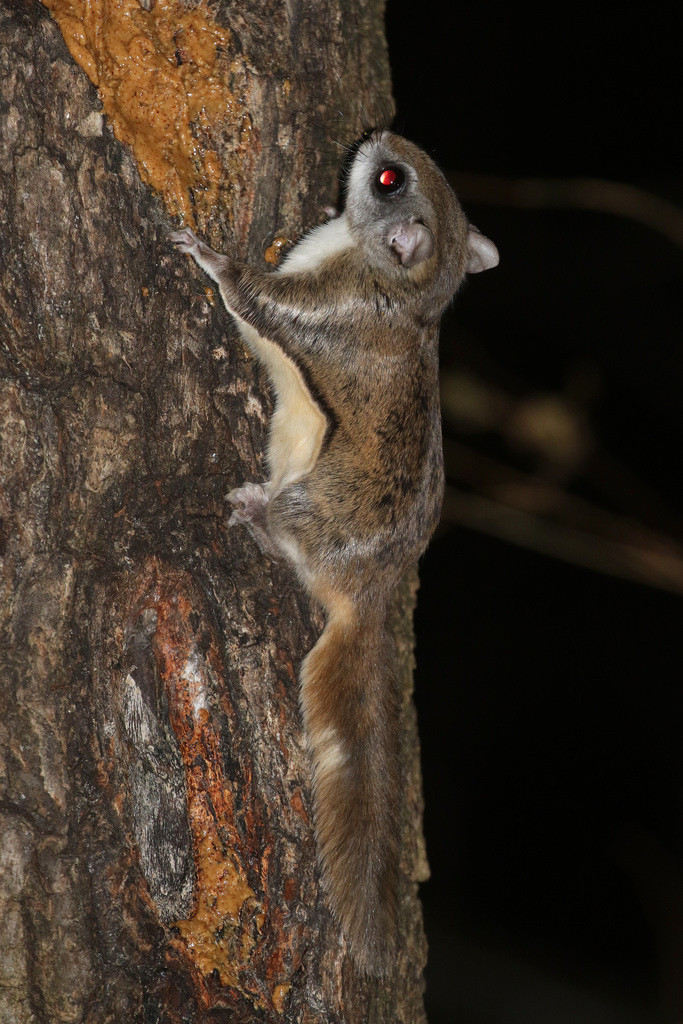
[(158, 859)]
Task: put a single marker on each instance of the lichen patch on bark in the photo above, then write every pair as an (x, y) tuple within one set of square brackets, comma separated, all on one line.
[(162, 75)]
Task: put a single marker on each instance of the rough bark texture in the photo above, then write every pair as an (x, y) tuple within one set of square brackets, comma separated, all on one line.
[(158, 860)]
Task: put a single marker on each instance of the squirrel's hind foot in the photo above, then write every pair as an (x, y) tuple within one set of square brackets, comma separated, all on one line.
[(250, 508)]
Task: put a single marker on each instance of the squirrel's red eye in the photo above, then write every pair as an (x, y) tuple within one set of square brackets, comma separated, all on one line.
[(390, 180)]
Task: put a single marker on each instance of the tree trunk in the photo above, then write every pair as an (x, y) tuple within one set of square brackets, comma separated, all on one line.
[(158, 858)]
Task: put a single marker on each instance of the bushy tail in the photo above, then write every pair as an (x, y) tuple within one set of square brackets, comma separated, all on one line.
[(350, 703)]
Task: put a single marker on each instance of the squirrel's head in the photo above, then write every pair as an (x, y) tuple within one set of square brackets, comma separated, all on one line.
[(406, 216)]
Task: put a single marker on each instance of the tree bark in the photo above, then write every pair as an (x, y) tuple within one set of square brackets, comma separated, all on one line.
[(158, 858)]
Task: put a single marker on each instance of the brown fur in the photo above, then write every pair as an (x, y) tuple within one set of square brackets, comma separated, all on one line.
[(351, 714), (350, 338)]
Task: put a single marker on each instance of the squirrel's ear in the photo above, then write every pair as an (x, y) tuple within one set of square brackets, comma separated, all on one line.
[(413, 242), (481, 252)]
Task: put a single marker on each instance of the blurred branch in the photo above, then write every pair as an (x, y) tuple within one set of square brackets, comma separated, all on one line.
[(550, 427), (534, 510), (526, 510), (554, 430), (574, 193)]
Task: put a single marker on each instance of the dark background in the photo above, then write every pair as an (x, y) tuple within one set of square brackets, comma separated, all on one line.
[(548, 693)]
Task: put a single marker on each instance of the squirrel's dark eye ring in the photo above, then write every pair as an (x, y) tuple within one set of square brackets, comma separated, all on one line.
[(390, 181)]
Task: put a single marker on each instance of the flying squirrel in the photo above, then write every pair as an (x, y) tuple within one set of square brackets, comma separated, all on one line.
[(348, 330)]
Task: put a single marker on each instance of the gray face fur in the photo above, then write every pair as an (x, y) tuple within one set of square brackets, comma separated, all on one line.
[(414, 222), (397, 227)]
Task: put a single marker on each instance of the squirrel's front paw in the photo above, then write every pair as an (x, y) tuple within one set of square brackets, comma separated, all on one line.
[(212, 262), (185, 240)]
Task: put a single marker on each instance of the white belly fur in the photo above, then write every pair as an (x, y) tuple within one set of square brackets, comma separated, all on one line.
[(316, 245), (297, 426)]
